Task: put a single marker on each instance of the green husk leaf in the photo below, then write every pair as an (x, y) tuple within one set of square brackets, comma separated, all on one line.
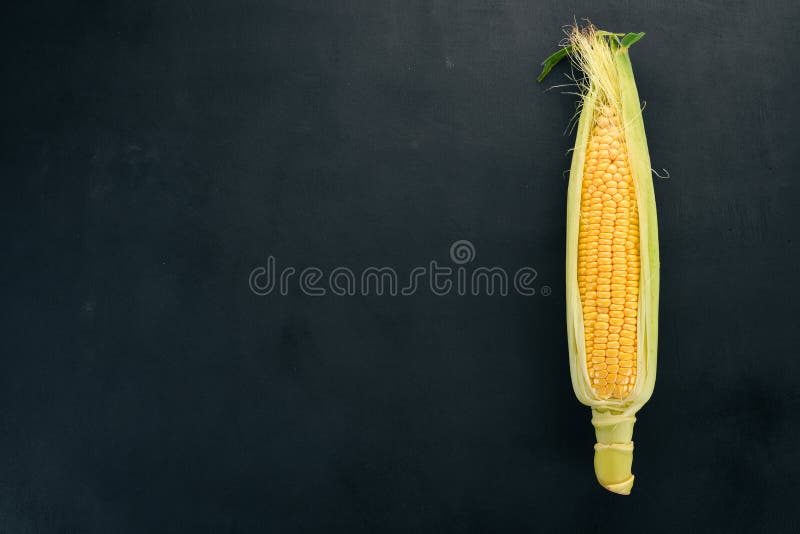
[(639, 158), (631, 38), (552, 61)]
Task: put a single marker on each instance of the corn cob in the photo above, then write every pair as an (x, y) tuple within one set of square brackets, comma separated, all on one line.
[(612, 249)]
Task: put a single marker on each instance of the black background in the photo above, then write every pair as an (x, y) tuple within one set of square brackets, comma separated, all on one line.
[(154, 153)]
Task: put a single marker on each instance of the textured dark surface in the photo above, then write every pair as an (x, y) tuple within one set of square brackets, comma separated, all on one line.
[(154, 153)]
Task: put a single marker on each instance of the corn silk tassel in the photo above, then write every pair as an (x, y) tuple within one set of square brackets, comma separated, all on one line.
[(612, 270)]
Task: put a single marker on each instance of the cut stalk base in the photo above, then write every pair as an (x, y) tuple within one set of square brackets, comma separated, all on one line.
[(613, 452)]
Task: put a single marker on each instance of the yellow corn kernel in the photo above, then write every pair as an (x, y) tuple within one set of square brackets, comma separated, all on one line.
[(607, 131)]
